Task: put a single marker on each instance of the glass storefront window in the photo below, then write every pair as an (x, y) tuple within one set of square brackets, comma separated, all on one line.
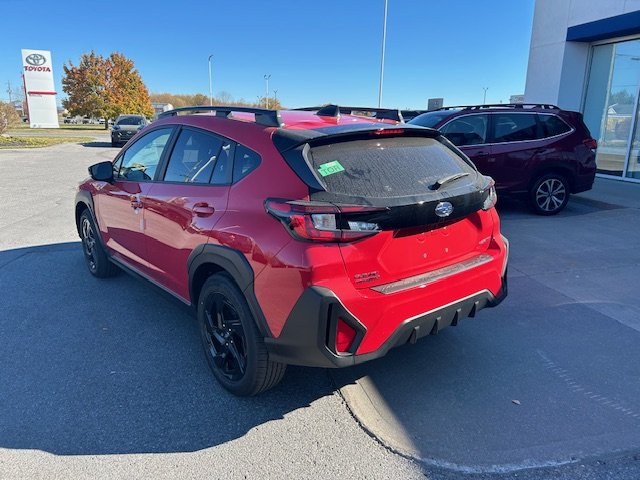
[(610, 104)]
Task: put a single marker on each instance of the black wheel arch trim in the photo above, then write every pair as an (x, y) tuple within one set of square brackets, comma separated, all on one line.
[(85, 197), (237, 266)]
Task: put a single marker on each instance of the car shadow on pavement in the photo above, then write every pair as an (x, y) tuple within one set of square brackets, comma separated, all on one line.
[(97, 144), (92, 366)]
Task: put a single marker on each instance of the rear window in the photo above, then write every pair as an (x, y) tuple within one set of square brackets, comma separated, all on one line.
[(431, 119), (386, 167)]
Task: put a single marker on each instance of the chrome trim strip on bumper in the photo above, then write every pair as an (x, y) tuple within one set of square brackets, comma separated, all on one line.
[(426, 278)]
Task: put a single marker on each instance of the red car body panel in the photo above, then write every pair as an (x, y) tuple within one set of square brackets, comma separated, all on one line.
[(175, 220)]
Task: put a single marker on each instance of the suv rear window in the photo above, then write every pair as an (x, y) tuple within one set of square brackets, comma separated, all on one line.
[(552, 125), (386, 167)]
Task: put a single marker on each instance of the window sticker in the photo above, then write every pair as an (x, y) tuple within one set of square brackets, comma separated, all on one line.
[(330, 168)]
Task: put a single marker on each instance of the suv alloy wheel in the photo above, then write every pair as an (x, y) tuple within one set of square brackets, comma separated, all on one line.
[(234, 349), (549, 194)]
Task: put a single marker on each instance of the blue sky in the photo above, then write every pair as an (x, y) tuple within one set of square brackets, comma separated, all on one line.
[(316, 51)]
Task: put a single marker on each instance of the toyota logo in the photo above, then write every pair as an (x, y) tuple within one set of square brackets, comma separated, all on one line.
[(444, 209), (35, 59)]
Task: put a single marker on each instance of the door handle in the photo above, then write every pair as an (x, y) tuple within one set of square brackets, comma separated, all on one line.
[(135, 201), (203, 209)]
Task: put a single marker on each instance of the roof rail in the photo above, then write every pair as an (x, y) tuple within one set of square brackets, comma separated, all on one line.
[(549, 106), (331, 110), (266, 117)]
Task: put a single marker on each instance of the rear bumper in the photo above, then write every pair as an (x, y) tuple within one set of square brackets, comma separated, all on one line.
[(309, 332)]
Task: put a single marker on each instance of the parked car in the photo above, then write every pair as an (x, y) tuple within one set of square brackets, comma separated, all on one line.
[(298, 237), (125, 127), (538, 152)]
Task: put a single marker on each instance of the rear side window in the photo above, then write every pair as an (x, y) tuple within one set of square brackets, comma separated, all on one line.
[(193, 158), (515, 127), (386, 167), (246, 161), (552, 125), (466, 130)]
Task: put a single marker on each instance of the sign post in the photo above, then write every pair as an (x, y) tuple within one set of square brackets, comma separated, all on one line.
[(39, 88)]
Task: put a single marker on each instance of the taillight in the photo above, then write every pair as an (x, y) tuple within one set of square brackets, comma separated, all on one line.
[(345, 334), (492, 197), (591, 143), (323, 222)]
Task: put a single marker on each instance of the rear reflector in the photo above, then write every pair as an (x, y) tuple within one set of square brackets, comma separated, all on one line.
[(345, 335)]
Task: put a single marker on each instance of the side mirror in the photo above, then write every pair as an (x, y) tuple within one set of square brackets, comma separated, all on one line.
[(102, 172)]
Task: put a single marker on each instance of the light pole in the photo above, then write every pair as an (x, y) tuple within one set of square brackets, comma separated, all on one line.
[(210, 87), (384, 41), (484, 98), (266, 98), (275, 96)]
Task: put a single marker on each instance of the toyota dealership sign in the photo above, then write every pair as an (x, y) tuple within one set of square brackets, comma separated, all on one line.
[(39, 88)]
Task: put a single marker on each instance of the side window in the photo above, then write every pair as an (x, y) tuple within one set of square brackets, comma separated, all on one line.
[(466, 130), (244, 163), (515, 127), (193, 158), (140, 160), (222, 171), (552, 125)]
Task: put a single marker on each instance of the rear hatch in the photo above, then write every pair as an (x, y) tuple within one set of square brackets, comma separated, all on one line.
[(418, 197)]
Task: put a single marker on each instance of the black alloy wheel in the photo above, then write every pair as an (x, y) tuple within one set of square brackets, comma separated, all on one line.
[(96, 258), (225, 337), (88, 244), (233, 345)]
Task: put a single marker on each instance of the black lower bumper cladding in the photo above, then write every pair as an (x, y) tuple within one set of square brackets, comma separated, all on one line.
[(309, 333)]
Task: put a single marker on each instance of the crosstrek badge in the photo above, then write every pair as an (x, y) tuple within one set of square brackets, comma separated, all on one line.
[(330, 168)]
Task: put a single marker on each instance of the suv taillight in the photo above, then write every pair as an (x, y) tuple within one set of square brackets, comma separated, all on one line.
[(591, 143), (323, 222)]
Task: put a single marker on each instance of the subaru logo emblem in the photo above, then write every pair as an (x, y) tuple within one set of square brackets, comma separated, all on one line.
[(35, 59), (444, 209)]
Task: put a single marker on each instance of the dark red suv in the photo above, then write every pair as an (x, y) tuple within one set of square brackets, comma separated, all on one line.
[(308, 238), (535, 151)]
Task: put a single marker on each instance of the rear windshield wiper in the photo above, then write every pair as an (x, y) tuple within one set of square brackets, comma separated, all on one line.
[(447, 179)]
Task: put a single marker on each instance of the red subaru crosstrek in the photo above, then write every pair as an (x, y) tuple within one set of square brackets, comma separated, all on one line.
[(300, 237)]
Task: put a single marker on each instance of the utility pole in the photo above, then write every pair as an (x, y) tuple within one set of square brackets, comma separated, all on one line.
[(210, 85), (10, 91), (484, 99), (266, 79), (384, 41)]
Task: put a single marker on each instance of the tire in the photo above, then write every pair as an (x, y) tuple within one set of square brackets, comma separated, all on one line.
[(549, 194), (234, 348), (96, 258)]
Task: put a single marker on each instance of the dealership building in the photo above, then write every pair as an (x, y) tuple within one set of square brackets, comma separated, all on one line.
[(585, 56)]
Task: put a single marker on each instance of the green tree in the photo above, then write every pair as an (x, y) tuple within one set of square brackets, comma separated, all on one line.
[(85, 86), (126, 92), (105, 87)]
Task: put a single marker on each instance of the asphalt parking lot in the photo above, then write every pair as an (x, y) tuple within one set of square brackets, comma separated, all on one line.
[(107, 378)]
